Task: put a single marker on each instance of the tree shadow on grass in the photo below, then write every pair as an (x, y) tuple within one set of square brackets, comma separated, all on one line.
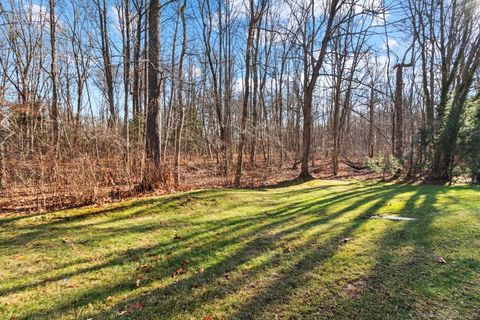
[(258, 234), (406, 281), (58, 223), (278, 292), (247, 256)]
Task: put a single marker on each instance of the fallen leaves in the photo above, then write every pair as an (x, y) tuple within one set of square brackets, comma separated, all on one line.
[(345, 240), (353, 289), (122, 313), (138, 278), (33, 244), (68, 241), (401, 233), (246, 273), (135, 307), (178, 272), (440, 259), (144, 267), (68, 284)]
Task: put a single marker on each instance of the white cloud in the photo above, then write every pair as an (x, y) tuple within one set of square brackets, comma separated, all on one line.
[(40, 15), (195, 71), (391, 43), (239, 7), (114, 18), (238, 85), (37, 13)]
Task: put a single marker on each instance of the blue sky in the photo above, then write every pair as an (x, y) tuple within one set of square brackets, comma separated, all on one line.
[(394, 15)]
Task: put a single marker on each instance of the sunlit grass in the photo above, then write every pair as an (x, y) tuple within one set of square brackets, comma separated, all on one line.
[(300, 251)]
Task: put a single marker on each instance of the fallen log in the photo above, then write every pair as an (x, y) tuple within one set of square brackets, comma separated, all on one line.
[(354, 165)]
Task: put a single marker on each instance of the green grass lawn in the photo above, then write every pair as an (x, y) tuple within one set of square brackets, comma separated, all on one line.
[(303, 251)]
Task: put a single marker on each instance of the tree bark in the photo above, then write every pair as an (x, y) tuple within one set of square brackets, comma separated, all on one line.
[(154, 81), (53, 74), (255, 17), (180, 102), (399, 114), (107, 63), (309, 86)]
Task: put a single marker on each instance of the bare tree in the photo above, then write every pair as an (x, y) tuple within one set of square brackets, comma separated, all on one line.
[(154, 84), (256, 11), (107, 63), (180, 102), (53, 72), (312, 66)]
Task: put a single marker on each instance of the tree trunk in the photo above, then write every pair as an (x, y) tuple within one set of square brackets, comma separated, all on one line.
[(399, 114), (136, 94), (154, 112), (246, 95), (126, 58), (107, 63), (53, 74), (255, 17), (309, 86), (370, 120), (180, 96), (306, 135)]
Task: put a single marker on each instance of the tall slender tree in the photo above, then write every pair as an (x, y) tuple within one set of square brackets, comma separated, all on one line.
[(53, 73), (154, 85)]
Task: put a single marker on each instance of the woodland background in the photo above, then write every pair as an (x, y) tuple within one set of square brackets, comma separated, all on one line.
[(102, 99)]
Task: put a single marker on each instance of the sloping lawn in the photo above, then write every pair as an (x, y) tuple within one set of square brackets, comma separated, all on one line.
[(304, 251)]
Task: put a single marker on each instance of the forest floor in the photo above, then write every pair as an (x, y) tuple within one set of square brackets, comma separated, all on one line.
[(195, 175), (301, 250)]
